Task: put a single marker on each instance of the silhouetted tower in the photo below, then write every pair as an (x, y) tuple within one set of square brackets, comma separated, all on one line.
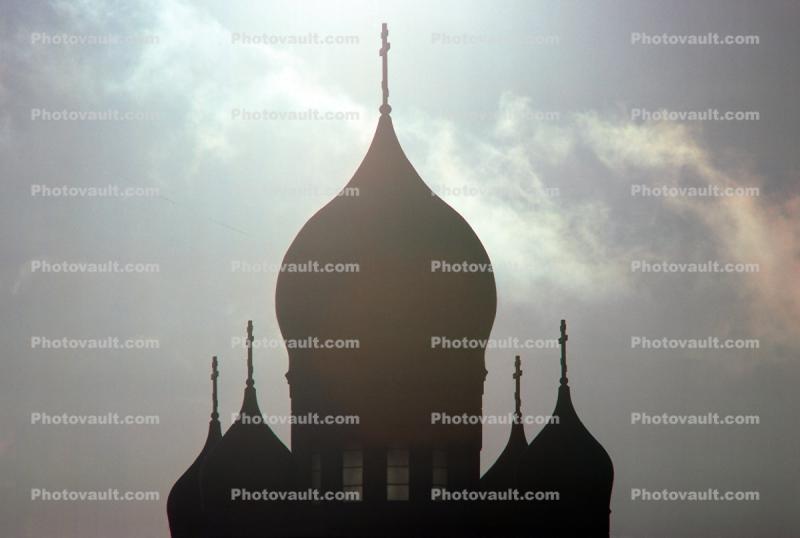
[(395, 229), (566, 458), (378, 343), (249, 457), (185, 501)]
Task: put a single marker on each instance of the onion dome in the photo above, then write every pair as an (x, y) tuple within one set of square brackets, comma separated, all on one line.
[(502, 474), (251, 458), (185, 501), (566, 458), (413, 277)]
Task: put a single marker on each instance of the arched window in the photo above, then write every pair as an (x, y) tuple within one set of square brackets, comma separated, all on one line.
[(353, 472), (397, 474), (439, 478), (316, 471)]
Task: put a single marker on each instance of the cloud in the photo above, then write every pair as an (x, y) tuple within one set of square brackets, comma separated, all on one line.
[(195, 60), (536, 236), (22, 280), (563, 244), (745, 229)]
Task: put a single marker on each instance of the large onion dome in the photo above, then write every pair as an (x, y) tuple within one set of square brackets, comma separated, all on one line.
[(399, 235)]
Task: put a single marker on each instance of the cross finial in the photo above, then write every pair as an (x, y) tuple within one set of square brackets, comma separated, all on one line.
[(517, 398), (250, 353), (214, 376), (563, 342), (384, 52)]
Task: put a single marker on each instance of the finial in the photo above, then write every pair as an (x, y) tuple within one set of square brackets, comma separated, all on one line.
[(563, 342), (214, 376), (384, 52), (250, 381), (517, 398)]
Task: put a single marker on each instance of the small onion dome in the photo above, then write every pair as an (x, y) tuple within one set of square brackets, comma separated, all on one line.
[(566, 458), (185, 501), (248, 458), (501, 475)]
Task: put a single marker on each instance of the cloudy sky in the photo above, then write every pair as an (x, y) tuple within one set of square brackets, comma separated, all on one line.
[(535, 120)]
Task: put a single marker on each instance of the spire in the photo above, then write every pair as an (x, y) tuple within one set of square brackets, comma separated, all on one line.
[(250, 381), (384, 52), (501, 474), (249, 457), (250, 403), (563, 342), (517, 399), (214, 376)]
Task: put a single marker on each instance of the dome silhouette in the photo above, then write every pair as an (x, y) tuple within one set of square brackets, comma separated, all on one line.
[(185, 501), (566, 458), (248, 457), (503, 471), (394, 231), (386, 299)]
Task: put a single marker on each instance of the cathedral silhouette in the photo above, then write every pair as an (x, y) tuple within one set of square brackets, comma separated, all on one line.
[(396, 462)]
